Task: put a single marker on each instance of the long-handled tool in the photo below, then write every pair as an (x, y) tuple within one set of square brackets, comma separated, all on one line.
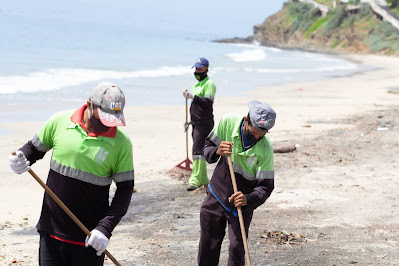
[(240, 217), (67, 211), (182, 170)]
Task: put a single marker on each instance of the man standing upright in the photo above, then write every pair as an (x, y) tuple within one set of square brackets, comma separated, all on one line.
[(89, 151), (201, 115)]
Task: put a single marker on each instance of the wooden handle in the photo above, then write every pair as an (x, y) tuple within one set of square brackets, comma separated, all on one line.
[(187, 128), (240, 217), (67, 211)]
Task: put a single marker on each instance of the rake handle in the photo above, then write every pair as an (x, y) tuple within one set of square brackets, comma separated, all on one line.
[(67, 211), (240, 217), (187, 129)]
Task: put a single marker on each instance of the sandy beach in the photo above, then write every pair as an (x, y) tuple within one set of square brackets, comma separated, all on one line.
[(337, 192)]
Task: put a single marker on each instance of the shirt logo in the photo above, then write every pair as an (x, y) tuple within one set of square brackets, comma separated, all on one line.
[(198, 90), (101, 156), (251, 160)]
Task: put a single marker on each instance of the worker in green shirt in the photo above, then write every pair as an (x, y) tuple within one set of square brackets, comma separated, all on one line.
[(245, 140), (89, 152), (201, 116)]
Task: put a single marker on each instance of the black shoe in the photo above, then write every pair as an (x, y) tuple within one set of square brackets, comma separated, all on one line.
[(192, 188)]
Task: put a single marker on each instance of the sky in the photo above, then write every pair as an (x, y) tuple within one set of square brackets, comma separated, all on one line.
[(221, 17)]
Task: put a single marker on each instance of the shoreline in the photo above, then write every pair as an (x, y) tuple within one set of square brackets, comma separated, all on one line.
[(338, 188), (44, 111), (317, 101)]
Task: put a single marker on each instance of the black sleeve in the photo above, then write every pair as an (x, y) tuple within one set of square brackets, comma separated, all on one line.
[(120, 204), (31, 153), (209, 151), (261, 192)]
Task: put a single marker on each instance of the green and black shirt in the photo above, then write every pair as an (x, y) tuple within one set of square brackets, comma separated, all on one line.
[(253, 168), (82, 168), (201, 109)]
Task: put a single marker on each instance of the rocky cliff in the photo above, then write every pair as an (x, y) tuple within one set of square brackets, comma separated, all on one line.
[(301, 26)]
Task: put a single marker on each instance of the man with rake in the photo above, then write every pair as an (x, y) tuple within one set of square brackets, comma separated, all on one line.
[(244, 139), (201, 115), (89, 152)]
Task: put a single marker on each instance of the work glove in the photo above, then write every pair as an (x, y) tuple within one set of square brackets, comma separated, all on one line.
[(188, 95), (19, 163), (186, 125), (98, 241)]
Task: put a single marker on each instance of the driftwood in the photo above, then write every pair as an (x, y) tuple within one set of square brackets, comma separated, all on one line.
[(284, 148)]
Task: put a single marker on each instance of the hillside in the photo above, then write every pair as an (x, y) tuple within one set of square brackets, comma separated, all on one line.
[(301, 26)]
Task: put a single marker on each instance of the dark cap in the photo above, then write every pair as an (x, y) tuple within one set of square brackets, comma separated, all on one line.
[(201, 62), (262, 115)]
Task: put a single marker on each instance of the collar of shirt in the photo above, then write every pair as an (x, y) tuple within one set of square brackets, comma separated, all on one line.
[(77, 118), (202, 82)]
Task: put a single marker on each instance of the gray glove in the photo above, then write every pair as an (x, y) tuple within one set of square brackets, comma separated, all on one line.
[(19, 163), (186, 125), (98, 241), (188, 95)]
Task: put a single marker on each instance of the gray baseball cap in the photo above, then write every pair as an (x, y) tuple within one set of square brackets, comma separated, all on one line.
[(262, 115), (110, 101)]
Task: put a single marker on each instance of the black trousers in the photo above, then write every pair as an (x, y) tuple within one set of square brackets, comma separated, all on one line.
[(53, 252), (213, 221), (199, 134)]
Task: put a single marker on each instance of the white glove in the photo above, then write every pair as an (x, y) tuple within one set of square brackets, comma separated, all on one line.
[(186, 125), (98, 241), (19, 163), (188, 95)]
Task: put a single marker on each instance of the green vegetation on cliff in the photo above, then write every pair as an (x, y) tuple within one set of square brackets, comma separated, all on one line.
[(301, 25)]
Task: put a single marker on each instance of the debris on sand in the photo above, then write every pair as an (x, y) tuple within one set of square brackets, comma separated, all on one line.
[(180, 176), (283, 238), (201, 189)]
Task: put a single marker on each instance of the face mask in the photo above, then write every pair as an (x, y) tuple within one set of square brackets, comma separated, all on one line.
[(200, 76), (96, 123), (251, 137)]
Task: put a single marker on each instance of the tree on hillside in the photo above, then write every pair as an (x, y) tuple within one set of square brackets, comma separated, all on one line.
[(392, 3)]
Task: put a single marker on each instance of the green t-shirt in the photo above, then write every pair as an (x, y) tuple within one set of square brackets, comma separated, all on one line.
[(205, 88), (254, 163), (95, 160)]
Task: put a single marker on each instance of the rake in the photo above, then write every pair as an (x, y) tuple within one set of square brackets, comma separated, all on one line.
[(182, 170), (67, 211)]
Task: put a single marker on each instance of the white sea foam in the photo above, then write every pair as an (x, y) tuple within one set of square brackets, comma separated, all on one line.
[(54, 79), (248, 55), (256, 44), (345, 67), (274, 49)]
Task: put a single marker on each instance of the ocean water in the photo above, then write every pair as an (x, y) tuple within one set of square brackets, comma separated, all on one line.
[(52, 55)]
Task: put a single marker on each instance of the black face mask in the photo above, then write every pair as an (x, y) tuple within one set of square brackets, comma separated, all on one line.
[(251, 137), (200, 76), (96, 124)]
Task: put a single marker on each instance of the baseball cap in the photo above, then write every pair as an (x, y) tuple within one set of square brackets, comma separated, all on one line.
[(201, 62), (110, 101), (262, 115)]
